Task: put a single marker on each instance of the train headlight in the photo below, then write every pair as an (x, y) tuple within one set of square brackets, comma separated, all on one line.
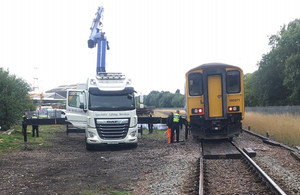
[(197, 111), (233, 108)]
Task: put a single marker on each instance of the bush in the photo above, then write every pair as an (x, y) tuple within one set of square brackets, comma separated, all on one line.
[(14, 99)]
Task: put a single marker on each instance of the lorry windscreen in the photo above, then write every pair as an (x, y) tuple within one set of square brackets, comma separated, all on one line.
[(114, 102)]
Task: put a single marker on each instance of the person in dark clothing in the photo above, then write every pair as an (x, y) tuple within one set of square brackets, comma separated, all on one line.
[(170, 120), (24, 123), (169, 124), (35, 127), (150, 126), (175, 126)]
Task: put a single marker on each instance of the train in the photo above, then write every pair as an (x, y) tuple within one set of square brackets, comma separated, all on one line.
[(214, 101)]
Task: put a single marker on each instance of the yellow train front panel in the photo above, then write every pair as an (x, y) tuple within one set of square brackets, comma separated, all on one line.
[(214, 96)]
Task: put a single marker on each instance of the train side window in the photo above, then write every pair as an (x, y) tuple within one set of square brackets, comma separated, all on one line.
[(233, 81), (195, 84)]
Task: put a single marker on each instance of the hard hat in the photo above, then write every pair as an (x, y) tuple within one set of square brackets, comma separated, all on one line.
[(34, 114)]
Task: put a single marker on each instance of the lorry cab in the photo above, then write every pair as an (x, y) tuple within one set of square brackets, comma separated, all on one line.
[(105, 107)]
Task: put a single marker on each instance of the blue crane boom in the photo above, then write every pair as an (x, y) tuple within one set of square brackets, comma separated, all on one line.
[(97, 38)]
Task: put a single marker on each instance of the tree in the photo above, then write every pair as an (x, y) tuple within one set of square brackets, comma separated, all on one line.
[(177, 91), (278, 76), (14, 99), (164, 99), (292, 78), (290, 41), (251, 97), (177, 101)]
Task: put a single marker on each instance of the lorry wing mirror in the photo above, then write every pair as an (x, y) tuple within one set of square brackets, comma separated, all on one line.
[(141, 106), (81, 99), (141, 99), (129, 96), (81, 106), (81, 102)]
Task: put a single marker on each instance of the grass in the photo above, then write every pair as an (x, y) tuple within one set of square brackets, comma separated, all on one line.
[(157, 134), (15, 141), (282, 128), (165, 113)]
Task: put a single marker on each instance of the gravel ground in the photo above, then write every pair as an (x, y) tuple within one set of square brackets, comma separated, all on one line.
[(277, 162), (231, 176), (154, 167), (65, 167)]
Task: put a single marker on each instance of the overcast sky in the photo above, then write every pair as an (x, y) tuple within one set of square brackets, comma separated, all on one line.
[(153, 42)]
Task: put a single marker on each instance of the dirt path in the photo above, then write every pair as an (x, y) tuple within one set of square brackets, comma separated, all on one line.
[(66, 167)]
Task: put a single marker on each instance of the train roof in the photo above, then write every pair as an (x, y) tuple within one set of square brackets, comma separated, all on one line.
[(214, 65)]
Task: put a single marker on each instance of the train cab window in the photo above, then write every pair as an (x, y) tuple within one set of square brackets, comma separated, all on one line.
[(233, 81), (195, 84)]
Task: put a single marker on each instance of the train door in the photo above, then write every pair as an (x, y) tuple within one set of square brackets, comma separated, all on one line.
[(215, 93), (215, 103)]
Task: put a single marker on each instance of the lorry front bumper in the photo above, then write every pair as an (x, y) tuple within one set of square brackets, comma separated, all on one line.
[(92, 137)]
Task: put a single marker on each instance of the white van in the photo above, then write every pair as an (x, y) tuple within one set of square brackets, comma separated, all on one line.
[(45, 109)]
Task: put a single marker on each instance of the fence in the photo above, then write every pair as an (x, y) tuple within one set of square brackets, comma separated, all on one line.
[(294, 110), (49, 114)]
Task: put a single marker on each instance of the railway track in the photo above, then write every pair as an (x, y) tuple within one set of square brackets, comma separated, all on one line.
[(227, 169)]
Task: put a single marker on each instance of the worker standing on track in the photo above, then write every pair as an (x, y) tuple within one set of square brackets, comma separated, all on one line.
[(24, 123), (175, 126), (35, 127)]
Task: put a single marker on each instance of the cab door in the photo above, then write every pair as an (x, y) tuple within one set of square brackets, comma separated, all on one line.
[(214, 86), (76, 108), (215, 103)]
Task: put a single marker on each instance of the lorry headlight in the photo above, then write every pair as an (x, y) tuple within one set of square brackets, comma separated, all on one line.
[(132, 133), (91, 134)]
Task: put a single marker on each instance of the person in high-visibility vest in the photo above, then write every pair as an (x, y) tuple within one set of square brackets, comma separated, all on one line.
[(35, 127), (175, 126)]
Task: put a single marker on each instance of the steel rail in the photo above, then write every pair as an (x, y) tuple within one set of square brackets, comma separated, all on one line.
[(266, 138), (270, 183), (201, 176)]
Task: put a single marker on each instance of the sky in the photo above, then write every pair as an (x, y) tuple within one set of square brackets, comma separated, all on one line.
[(152, 42)]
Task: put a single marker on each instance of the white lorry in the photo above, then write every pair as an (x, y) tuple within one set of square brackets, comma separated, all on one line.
[(105, 107)]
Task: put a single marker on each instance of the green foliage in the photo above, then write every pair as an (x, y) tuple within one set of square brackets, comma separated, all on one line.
[(251, 99), (15, 141), (164, 99), (14, 99), (292, 78), (277, 80)]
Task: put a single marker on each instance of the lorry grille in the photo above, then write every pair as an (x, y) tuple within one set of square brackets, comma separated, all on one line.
[(112, 128)]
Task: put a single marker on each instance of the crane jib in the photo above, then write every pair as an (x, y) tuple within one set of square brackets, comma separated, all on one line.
[(97, 38)]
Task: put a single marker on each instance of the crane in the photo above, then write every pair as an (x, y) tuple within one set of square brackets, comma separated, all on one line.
[(97, 38), (41, 95)]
